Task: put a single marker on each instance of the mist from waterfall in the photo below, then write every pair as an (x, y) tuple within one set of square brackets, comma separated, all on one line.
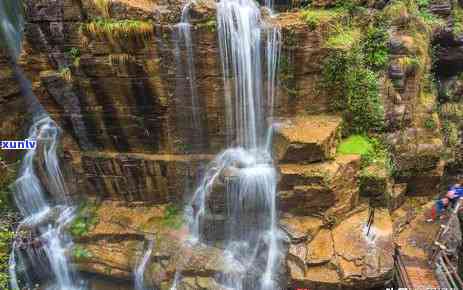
[(249, 50)]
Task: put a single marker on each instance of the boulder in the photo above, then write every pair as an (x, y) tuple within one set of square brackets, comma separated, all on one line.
[(306, 139), (346, 257), (315, 188)]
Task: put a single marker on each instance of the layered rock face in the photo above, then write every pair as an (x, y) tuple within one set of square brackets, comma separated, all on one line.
[(113, 74), (12, 106)]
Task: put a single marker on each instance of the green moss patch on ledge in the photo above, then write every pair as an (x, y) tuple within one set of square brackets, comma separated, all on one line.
[(355, 144), (118, 29)]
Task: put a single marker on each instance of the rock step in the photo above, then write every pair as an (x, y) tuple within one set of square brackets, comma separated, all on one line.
[(315, 188), (342, 256), (306, 139)]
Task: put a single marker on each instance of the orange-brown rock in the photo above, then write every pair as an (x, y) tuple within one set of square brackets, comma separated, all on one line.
[(348, 256), (318, 187), (114, 245), (306, 139), (156, 178), (12, 108)]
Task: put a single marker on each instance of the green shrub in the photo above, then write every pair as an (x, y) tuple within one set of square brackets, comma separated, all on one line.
[(81, 253), (430, 124), (375, 48), (85, 220), (355, 90), (173, 217), (74, 53), (6, 238), (6, 209)]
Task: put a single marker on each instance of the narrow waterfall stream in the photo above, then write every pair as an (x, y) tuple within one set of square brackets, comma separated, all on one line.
[(141, 267)]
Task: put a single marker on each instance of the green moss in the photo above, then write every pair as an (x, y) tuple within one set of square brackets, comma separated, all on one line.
[(351, 75), (210, 24), (457, 15), (426, 15), (450, 133), (287, 76), (430, 124), (395, 11), (6, 209), (6, 238), (80, 253), (372, 150), (173, 217), (7, 177), (344, 38), (314, 17), (85, 220), (355, 144)]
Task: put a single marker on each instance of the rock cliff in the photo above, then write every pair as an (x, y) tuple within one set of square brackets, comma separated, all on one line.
[(112, 74)]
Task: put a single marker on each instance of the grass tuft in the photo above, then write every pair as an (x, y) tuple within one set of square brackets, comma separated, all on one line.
[(118, 29)]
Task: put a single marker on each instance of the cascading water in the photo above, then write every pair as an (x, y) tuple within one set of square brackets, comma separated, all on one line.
[(186, 71), (43, 220), (252, 240), (141, 267)]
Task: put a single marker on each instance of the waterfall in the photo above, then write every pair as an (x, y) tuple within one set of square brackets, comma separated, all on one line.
[(47, 221), (252, 239), (141, 267)]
